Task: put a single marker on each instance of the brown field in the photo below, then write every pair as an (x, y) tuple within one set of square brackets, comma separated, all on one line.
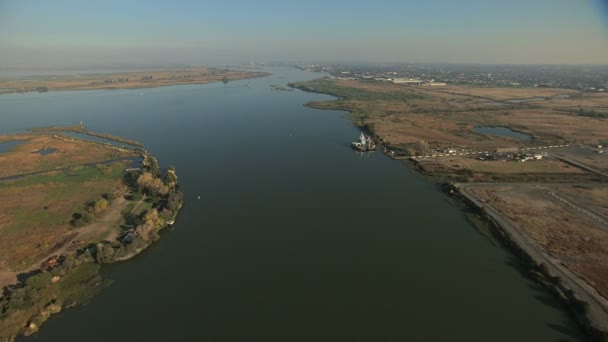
[(25, 158), (490, 166), (34, 219), (588, 196), (501, 93), (587, 156), (446, 116), (574, 238), (475, 170), (35, 210), (125, 80)]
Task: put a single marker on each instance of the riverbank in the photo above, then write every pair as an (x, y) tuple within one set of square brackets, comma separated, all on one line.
[(58, 226), (435, 130), (126, 80), (586, 304)]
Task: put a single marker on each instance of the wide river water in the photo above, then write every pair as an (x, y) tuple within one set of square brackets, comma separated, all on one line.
[(295, 236)]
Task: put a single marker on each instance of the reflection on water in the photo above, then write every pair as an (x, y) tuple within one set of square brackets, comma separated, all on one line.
[(7, 145)]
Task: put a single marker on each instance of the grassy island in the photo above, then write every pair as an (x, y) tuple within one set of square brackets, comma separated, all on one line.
[(68, 206)]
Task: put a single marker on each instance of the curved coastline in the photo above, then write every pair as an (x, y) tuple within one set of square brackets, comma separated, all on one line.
[(71, 278)]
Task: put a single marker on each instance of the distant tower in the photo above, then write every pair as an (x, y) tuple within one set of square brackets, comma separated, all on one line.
[(81, 125)]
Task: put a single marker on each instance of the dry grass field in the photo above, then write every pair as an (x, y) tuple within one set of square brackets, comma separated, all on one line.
[(572, 237), (501, 93), (138, 79), (26, 157), (446, 116), (587, 156), (474, 170), (35, 210)]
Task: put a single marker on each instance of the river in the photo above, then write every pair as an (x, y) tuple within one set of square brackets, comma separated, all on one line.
[(295, 236)]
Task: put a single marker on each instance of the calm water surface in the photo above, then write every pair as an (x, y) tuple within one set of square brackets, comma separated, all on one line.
[(8, 145), (295, 237), (502, 131)]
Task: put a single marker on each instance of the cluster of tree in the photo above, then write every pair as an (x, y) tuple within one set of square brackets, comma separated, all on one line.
[(25, 307), (171, 177), (112, 81), (42, 89), (419, 148), (150, 164), (151, 185), (146, 78), (90, 211), (162, 191), (181, 76)]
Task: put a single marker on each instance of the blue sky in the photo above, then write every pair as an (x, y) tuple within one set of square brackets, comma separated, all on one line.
[(35, 32)]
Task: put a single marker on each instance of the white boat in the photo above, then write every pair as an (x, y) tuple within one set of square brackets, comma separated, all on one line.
[(365, 143)]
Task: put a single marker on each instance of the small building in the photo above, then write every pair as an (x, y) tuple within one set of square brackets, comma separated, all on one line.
[(435, 84)]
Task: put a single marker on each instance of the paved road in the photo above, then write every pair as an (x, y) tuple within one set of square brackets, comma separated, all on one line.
[(577, 164), (597, 305)]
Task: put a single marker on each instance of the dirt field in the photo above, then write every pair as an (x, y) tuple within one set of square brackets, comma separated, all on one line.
[(139, 79), (25, 157), (446, 116), (571, 236)]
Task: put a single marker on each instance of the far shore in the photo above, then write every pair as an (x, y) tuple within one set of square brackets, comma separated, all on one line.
[(124, 80)]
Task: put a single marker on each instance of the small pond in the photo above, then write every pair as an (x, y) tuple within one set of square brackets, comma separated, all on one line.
[(502, 131), (45, 151), (7, 145)]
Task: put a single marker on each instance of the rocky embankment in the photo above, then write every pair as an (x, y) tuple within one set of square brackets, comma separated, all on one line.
[(588, 308)]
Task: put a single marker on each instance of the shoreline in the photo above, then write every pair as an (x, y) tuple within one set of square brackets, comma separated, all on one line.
[(586, 305), (594, 322), (117, 81), (70, 276)]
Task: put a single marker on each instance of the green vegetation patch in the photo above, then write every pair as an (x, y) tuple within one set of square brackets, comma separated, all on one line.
[(47, 293), (73, 176)]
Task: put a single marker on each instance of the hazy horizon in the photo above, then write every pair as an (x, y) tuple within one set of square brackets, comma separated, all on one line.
[(68, 33)]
